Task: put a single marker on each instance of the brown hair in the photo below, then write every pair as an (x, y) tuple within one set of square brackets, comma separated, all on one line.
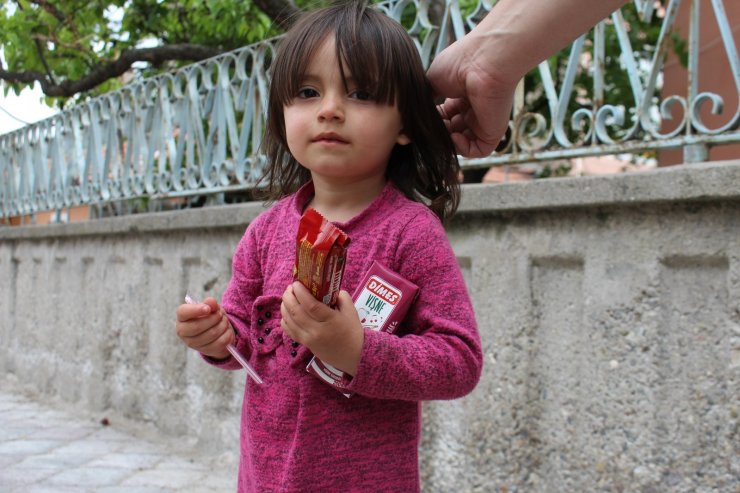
[(383, 60)]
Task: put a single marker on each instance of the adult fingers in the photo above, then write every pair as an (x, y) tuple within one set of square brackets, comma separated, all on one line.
[(469, 145), (451, 108), (489, 123), (462, 144), (470, 138)]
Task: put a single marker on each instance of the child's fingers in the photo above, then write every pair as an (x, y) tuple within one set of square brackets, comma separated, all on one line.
[(210, 334), (288, 310), (289, 326), (226, 337), (345, 305), (187, 311), (212, 303), (310, 306), (196, 326)]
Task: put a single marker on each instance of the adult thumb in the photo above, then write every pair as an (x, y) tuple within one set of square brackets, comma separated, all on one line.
[(443, 76)]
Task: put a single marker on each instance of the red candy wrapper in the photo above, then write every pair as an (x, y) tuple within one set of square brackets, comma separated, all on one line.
[(382, 300), (321, 252)]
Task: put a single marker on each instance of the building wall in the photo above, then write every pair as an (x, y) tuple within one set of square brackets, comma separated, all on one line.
[(714, 75), (609, 309)]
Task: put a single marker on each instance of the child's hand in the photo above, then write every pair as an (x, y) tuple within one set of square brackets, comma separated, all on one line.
[(205, 328), (334, 336)]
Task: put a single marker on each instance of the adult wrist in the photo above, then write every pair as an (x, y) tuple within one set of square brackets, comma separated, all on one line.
[(495, 50)]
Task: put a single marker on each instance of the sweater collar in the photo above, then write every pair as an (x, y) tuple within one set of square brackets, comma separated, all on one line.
[(384, 202)]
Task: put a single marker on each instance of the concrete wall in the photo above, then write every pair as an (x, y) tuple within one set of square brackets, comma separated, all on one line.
[(609, 308)]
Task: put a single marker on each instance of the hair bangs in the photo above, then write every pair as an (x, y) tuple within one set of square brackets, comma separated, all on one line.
[(365, 53), (297, 49), (372, 50)]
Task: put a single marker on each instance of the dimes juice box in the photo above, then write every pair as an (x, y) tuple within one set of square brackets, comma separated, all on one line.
[(382, 300)]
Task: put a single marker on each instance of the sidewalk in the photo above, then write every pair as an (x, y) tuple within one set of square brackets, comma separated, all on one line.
[(45, 450)]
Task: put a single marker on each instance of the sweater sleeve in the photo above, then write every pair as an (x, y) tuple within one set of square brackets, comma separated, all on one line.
[(243, 288), (437, 352)]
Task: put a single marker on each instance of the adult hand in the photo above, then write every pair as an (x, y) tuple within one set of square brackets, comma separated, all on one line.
[(333, 335), (478, 103), (205, 328), (479, 72)]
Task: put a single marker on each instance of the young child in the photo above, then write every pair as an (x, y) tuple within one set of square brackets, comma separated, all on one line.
[(354, 133)]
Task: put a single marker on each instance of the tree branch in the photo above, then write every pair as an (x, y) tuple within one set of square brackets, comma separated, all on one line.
[(109, 70), (64, 21), (58, 14), (282, 12), (39, 51)]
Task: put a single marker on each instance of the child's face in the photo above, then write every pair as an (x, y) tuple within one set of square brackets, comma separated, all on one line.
[(340, 135)]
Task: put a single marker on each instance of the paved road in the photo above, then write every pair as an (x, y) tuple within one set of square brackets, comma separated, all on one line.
[(48, 450)]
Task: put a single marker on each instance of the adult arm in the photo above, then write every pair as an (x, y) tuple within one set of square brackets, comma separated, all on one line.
[(478, 73)]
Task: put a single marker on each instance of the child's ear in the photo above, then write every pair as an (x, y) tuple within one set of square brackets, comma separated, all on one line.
[(403, 139)]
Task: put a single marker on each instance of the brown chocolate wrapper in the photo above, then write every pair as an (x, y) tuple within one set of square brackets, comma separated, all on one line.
[(321, 252), (382, 300)]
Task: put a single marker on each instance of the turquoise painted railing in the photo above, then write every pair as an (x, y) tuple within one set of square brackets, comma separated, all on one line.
[(197, 131)]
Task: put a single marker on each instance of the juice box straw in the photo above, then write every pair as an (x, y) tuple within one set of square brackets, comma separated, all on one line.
[(232, 349)]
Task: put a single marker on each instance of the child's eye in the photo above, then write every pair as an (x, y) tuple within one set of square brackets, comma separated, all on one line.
[(307, 92), (361, 95)]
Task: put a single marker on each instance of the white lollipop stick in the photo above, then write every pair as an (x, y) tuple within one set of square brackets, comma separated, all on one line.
[(234, 352)]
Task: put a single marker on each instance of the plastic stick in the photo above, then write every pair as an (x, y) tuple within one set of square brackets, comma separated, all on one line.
[(232, 349)]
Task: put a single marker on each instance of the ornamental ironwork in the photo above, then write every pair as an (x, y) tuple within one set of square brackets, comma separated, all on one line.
[(197, 131)]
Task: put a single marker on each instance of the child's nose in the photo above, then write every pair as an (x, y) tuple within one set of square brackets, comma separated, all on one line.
[(331, 108)]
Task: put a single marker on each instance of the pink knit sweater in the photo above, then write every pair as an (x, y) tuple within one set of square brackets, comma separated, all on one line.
[(298, 434)]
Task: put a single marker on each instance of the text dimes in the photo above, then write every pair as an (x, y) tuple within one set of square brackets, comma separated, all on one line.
[(384, 291)]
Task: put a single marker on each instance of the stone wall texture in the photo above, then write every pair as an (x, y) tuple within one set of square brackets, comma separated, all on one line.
[(609, 309)]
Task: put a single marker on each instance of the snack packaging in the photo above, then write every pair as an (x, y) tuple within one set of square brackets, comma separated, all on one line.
[(382, 300), (321, 252)]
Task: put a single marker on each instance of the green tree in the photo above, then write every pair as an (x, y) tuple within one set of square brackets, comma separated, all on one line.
[(79, 48), (643, 37), (82, 47)]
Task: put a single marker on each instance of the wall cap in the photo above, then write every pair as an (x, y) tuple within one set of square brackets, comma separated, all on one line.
[(686, 183)]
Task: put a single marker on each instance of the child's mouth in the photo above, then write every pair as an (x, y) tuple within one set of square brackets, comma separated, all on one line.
[(330, 138)]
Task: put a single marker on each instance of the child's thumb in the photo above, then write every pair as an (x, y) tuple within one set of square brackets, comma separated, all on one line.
[(345, 303), (212, 303)]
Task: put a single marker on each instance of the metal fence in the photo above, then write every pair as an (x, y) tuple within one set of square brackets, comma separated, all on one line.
[(196, 131)]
